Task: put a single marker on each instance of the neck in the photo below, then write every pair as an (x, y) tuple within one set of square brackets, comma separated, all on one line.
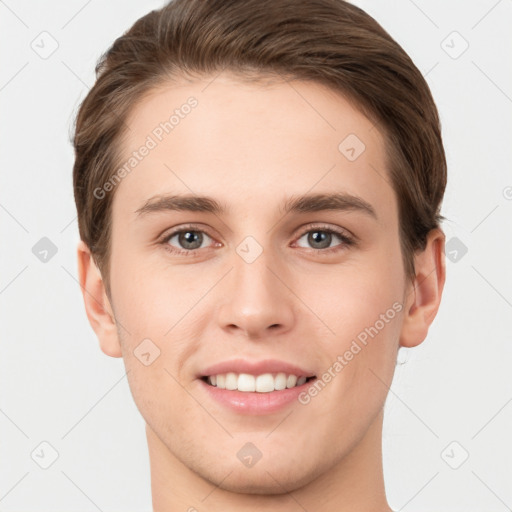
[(355, 483)]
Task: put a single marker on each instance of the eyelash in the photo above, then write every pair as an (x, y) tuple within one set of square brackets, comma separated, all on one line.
[(346, 240)]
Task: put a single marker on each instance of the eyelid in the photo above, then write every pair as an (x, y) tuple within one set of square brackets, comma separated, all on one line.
[(170, 232), (346, 236), (164, 239)]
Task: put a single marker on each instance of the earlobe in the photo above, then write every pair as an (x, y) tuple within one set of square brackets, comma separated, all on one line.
[(97, 305), (424, 298)]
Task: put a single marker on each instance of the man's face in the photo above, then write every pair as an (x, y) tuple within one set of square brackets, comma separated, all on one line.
[(308, 288)]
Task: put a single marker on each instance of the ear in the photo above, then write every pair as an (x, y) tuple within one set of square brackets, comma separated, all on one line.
[(97, 305), (424, 295)]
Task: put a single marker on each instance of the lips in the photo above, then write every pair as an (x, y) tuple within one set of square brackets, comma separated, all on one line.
[(255, 368), (255, 387), (257, 376), (239, 366)]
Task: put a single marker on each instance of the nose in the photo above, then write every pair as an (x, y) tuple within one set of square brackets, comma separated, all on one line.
[(256, 299)]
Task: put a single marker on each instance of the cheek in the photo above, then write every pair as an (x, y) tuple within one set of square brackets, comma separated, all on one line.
[(360, 358), (158, 310), (362, 306), (151, 299), (355, 298)]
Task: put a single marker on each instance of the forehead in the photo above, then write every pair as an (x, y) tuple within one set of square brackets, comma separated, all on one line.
[(234, 140)]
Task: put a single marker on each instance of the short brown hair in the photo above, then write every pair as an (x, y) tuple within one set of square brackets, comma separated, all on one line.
[(327, 41)]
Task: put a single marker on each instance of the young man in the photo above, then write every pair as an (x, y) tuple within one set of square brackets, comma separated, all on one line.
[(258, 186)]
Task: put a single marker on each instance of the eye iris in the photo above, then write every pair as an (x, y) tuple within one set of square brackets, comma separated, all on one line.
[(190, 237), (321, 237), (193, 239)]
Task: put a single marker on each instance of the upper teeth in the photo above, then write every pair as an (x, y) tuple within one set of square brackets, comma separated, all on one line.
[(259, 383)]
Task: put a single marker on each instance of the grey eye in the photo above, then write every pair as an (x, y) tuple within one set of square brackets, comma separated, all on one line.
[(319, 238), (189, 239)]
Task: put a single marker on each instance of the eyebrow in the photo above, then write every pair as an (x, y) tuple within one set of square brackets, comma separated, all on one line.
[(295, 204)]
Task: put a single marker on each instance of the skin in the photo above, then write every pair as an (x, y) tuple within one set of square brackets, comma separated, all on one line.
[(251, 146)]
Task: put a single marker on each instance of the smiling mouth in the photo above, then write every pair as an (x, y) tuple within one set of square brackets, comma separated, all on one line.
[(264, 383)]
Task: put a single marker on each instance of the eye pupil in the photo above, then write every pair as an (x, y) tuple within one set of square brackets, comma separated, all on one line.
[(321, 237), (190, 237)]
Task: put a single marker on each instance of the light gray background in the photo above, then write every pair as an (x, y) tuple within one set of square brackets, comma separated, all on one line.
[(57, 386)]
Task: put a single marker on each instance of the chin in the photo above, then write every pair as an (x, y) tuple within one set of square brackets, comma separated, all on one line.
[(271, 483), (262, 479)]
